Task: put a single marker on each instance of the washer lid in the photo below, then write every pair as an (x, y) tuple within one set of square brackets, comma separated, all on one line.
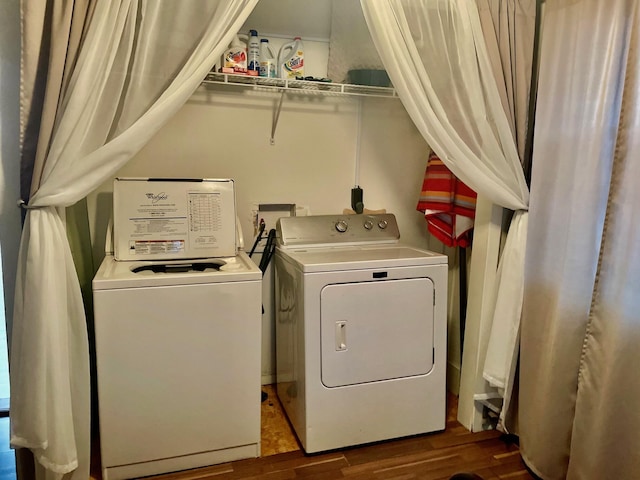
[(357, 257), (114, 274), (173, 218)]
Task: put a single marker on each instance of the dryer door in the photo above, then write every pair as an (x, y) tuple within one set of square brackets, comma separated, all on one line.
[(373, 331)]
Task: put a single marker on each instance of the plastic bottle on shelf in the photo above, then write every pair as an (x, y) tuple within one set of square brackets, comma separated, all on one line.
[(234, 59), (253, 56), (267, 60), (291, 59)]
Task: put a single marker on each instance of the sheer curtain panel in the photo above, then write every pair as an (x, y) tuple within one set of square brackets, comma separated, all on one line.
[(435, 54), (579, 386), (137, 65), (509, 28), (51, 36)]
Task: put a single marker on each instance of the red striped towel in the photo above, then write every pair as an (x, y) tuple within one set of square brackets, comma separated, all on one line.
[(449, 206)]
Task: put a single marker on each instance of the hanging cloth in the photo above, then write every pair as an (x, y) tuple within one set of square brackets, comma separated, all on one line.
[(449, 206)]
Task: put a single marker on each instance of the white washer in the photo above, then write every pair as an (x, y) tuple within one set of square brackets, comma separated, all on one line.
[(178, 363), (360, 331)]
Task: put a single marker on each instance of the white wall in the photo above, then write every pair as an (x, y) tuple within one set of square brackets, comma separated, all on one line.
[(220, 133), (9, 147), (223, 133)]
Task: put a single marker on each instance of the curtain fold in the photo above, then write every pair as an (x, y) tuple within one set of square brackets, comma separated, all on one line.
[(509, 32), (124, 85), (509, 28), (51, 37), (608, 378), (580, 314), (435, 55)]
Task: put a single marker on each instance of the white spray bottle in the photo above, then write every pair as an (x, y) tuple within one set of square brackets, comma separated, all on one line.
[(253, 53)]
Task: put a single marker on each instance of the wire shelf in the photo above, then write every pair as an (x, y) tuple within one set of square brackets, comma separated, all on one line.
[(298, 86)]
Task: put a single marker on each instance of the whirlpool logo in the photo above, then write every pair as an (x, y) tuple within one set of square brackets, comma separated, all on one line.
[(157, 197)]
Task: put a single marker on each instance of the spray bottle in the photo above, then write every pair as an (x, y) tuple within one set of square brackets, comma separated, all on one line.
[(253, 56)]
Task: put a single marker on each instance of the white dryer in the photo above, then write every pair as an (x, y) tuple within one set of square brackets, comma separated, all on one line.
[(360, 331)]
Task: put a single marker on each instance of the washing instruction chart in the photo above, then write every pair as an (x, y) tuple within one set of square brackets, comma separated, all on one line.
[(164, 219)]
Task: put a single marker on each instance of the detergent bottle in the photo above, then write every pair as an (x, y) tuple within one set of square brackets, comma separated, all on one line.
[(253, 56), (291, 59), (234, 59), (267, 60)]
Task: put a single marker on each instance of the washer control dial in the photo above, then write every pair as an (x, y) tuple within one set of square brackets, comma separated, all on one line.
[(368, 224), (341, 226), (382, 224)]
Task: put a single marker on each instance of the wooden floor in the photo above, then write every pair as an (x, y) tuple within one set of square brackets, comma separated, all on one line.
[(432, 456)]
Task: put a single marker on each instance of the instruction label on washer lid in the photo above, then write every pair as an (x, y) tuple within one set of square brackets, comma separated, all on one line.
[(165, 219), (151, 247)]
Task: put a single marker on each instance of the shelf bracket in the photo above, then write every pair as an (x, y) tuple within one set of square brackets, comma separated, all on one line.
[(276, 117)]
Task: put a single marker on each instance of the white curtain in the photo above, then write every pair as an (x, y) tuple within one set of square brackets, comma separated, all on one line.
[(579, 386), (139, 63), (435, 55)]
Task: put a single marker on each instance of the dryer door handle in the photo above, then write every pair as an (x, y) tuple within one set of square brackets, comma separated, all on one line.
[(341, 336)]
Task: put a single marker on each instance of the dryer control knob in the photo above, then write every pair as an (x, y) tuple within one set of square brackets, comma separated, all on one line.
[(382, 224), (368, 224), (341, 226)]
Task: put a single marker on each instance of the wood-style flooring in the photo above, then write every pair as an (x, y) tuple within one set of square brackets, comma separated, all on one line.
[(435, 456)]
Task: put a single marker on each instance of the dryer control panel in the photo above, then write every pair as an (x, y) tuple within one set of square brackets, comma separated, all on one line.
[(337, 229)]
